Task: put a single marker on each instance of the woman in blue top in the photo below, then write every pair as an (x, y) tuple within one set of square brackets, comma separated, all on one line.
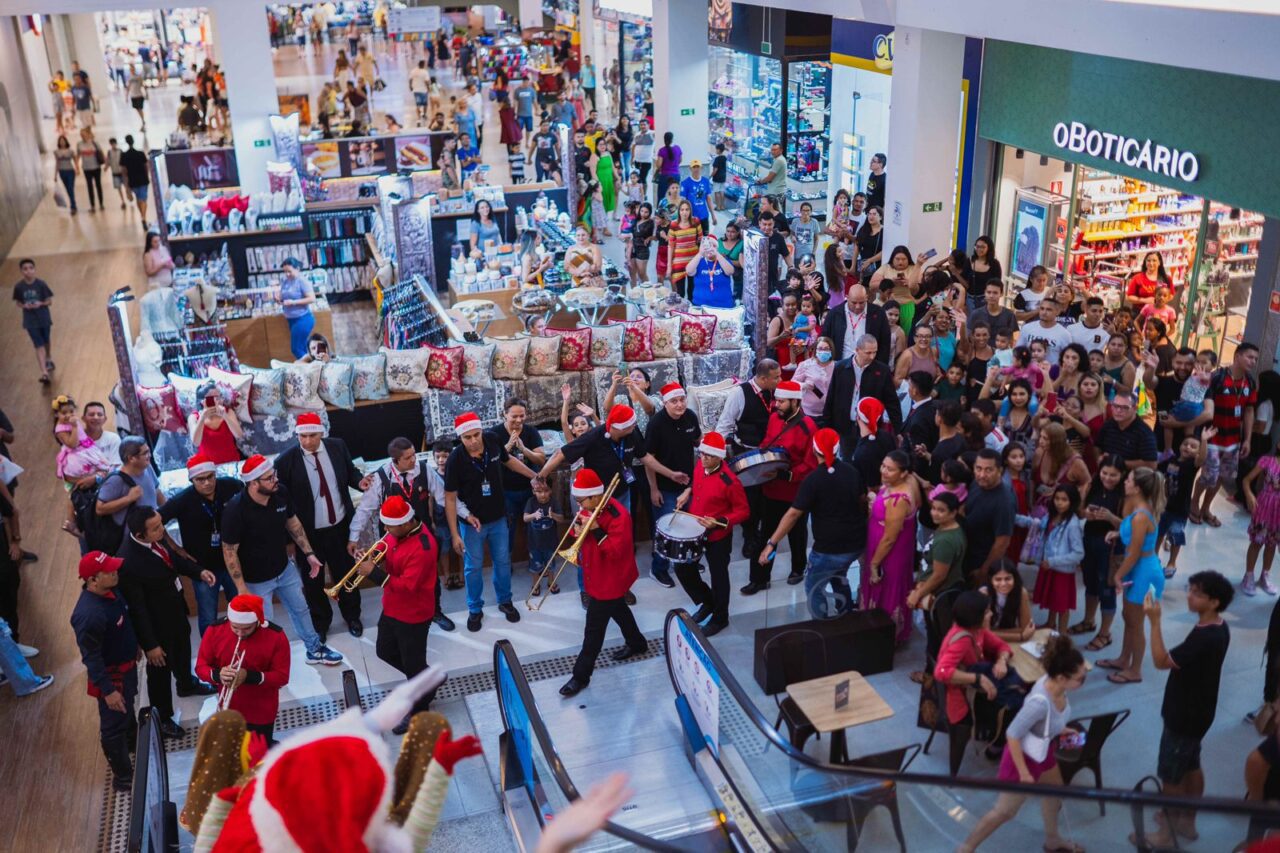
[(296, 295), (1139, 572), (712, 275), (483, 227)]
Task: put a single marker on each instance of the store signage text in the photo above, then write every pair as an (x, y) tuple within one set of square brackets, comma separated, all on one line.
[(882, 50), (1138, 154), (932, 206)]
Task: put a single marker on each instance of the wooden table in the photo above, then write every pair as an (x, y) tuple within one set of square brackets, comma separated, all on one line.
[(1028, 665), (816, 698)]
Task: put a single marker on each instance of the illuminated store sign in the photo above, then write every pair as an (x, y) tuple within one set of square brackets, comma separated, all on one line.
[(1135, 153)]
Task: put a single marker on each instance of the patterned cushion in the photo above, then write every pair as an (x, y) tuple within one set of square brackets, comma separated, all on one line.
[(439, 408), (237, 388), (544, 356), (274, 434), (606, 345), (575, 348), (542, 393), (509, 358), (707, 402), (728, 333), (407, 370), (637, 340), (698, 370), (477, 365), (444, 368), (697, 333), (160, 409), (301, 385), (266, 396), (336, 384), (666, 337), (369, 376), (185, 388)]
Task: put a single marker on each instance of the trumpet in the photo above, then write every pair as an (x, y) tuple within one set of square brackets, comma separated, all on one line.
[(376, 553), (568, 556), (225, 690)]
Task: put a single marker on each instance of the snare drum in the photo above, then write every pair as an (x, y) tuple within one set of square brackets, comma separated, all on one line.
[(679, 538), (759, 466)]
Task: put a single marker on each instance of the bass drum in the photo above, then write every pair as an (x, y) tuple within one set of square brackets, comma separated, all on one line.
[(756, 467), (679, 538)]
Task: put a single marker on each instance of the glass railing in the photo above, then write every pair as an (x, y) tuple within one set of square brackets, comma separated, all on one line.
[(797, 802), (153, 818)]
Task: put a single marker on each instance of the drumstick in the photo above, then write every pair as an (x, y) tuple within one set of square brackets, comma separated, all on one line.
[(714, 521)]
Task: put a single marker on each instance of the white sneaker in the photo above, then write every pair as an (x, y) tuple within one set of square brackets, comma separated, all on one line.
[(1247, 586), (1266, 585), (28, 651)]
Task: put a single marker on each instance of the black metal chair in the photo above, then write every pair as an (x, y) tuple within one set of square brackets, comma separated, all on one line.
[(800, 654), (861, 806), (1089, 757)]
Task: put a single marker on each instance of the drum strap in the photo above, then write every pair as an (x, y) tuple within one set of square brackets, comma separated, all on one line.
[(800, 421)]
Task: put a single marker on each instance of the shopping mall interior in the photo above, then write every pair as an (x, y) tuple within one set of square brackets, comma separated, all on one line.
[(813, 510)]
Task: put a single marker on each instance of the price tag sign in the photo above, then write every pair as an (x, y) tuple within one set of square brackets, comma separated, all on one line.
[(842, 694)]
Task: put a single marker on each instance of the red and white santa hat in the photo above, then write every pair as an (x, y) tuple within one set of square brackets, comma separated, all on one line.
[(246, 610), (672, 391), (587, 484), (308, 423), (395, 510), (465, 423), (254, 467), (620, 417), (788, 390), (870, 412), (713, 445), (826, 443), (200, 464)]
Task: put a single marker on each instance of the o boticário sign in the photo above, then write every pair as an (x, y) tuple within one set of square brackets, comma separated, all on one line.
[(1137, 153)]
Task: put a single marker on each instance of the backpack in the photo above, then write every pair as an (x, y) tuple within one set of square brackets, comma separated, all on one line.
[(101, 533)]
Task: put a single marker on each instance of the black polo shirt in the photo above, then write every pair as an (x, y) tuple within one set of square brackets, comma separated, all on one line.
[(200, 521), (602, 454), (674, 443), (468, 475), (837, 506), (260, 532), (1135, 441), (532, 439)]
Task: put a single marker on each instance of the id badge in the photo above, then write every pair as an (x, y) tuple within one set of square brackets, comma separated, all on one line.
[(485, 489), (1237, 411), (628, 476), (215, 540)]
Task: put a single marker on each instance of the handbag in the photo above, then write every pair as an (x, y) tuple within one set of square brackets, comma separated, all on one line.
[(60, 195), (1033, 545), (1036, 746), (1266, 720)]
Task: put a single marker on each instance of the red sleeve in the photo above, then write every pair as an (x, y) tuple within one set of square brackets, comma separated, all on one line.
[(992, 646), (802, 447), (1132, 289), (739, 511), (204, 659), (277, 675), (617, 544), (950, 656)]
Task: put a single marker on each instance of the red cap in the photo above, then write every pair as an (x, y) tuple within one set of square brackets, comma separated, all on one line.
[(200, 464), (465, 423), (307, 423), (788, 390), (672, 391), (246, 610), (620, 417), (586, 484), (395, 510), (254, 467), (713, 445), (870, 411), (96, 562), (826, 443)]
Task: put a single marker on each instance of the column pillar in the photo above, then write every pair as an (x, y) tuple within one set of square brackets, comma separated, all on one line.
[(924, 138), (86, 48), (680, 73), (587, 34), (245, 53)]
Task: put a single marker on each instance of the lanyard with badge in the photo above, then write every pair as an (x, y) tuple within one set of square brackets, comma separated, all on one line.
[(620, 448), (214, 511), (482, 466)]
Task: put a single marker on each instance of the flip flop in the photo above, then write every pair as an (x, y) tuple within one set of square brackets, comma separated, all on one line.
[(1082, 628), (1212, 520), (1121, 678), (1194, 518), (1109, 664)]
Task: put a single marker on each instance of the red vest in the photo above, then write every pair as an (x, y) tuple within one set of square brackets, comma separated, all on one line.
[(609, 554), (410, 593), (266, 651), (718, 495), (798, 442)]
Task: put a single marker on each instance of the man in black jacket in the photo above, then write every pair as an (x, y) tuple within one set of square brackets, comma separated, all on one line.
[(919, 427), (856, 318), (863, 375), (318, 473), (149, 581)]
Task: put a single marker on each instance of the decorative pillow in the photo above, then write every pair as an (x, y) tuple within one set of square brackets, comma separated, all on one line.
[(509, 359), (368, 376), (728, 326), (266, 396), (335, 384), (575, 348), (301, 384), (544, 355), (407, 370), (444, 368), (237, 388), (185, 388), (637, 339), (666, 337), (477, 365), (160, 409), (697, 333), (606, 345)]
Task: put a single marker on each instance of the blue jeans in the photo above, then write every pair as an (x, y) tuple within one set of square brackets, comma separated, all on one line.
[(21, 677), (826, 584), (473, 542), (288, 584), (69, 182), (659, 565), (300, 329), (626, 167), (207, 598)]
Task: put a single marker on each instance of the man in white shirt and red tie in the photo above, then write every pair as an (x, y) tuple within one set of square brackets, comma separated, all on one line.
[(249, 657), (318, 474)]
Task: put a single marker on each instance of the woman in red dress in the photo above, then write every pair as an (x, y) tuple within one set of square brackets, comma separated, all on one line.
[(1141, 289)]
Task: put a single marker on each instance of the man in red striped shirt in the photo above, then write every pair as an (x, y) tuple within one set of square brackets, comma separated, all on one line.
[(1229, 401)]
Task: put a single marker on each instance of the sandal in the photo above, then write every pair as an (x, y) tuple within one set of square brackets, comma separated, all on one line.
[(1110, 663), (1212, 520), (1098, 643), (1195, 518), (1082, 627), (555, 590), (1121, 678)]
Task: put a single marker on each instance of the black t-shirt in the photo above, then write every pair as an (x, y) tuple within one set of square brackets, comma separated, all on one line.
[(545, 145), (948, 448), (777, 249), (1168, 392), (468, 476), (1179, 475), (719, 169), (7, 425), (260, 532), (1136, 441), (869, 244), (199, 520), (1109, 499), (1191, 693), (542, 531), (36, 291), (603, 455), (988, 515), (837, 507), (674, 443), (875, 189), (135, 167), (531, 439)]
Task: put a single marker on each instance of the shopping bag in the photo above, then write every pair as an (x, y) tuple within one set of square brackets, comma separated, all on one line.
[(379, 85), (1033, 545), (60, 195)]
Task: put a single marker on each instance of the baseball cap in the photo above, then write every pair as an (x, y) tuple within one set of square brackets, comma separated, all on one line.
[(695, 163), (98, 561)]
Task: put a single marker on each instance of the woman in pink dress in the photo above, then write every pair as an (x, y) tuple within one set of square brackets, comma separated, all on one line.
[(889, 563), (79, 459)]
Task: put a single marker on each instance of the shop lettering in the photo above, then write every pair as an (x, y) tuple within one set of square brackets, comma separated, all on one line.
[(1138, 154), (882, 50)]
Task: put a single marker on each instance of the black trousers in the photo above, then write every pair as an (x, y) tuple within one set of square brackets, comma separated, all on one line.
[(717, 555), (404, 646), (10, 580), (330, 545), (268, 731), (751, 532), (598, 615), (773, 511), (176, 643), (119, 732)]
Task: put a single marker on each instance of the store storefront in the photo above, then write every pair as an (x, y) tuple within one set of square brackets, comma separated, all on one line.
[(1095, 174)]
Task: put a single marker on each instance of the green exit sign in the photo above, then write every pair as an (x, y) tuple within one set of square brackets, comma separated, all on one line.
[(766, 48), (932, 206), (262, 143), (687, 112)]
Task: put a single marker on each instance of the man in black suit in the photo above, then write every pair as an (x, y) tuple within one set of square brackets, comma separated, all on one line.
[(148, 581), (919, 428), (862, 375), (854, 319), (318, 473)]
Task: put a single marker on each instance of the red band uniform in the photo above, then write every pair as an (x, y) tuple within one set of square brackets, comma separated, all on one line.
[(265, 662), (714, 494), (794, 433), (409, 596)]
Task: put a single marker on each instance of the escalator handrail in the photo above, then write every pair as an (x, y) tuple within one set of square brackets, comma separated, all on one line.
[(503, 650), (1118, 796)]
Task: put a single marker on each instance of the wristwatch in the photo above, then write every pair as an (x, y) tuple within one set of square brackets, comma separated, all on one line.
[(308, 553)]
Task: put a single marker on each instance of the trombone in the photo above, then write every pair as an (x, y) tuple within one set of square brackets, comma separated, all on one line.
[(377, 551), (568, 556)]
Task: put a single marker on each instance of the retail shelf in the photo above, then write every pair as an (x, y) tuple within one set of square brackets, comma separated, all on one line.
[(1118, 217), (1181, 247), (1149, 195), (1248, 274), (1239, 310), (1245, 256), (224, 235), (1233, 241), (1121, 235)]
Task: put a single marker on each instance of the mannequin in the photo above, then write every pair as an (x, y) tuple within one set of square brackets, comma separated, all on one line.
[(159, 312), (203, 299), (147, 357)]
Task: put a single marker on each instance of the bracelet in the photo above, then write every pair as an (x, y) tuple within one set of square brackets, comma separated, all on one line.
[(308, 553)]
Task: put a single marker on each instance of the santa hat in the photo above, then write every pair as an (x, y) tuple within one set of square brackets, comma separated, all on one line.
[(254, 467), (200, 464), (826, 443), (870, 411), (713, 445), (672, 391), (587, 484), (465, 423), (308, 423), (620, 417), (246, 610), (395, 510), (788, 390)]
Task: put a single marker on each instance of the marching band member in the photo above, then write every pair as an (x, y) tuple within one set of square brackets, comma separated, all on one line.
[(672, 442), (249, 657), (792, 430), (743, 420), (714, 495), (609, 569), (409, 597)]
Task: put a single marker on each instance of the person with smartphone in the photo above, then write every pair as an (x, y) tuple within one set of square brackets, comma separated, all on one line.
[(318, 349), (814, 377), (214, 428)]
